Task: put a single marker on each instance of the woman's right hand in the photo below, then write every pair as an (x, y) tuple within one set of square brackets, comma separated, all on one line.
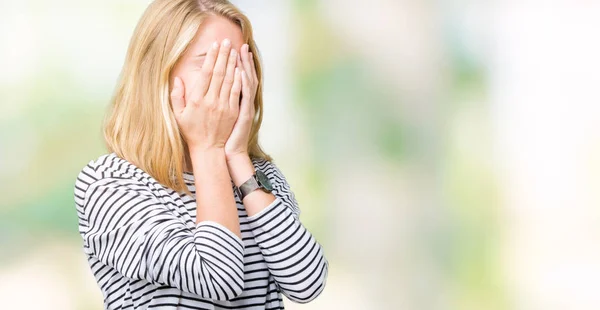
[(207, 112)]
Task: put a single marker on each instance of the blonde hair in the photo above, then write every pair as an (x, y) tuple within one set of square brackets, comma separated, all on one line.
[(140, 126)]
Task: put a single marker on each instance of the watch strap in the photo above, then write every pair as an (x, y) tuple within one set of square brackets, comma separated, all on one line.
[(249, 186), (257, 181)]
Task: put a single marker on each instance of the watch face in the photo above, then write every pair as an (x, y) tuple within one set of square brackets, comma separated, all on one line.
[(263, 180)]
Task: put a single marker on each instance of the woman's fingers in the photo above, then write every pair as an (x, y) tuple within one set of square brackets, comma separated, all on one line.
[(249, 66), (177, 96), (246, 105), (229, 76), (236, 89), (203, 82), (220, 68), (253, 67), (246, 61), (239, 63)]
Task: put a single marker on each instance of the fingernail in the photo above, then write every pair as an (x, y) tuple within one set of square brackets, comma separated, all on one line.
[(215, 45), (237, 71), (226, 43), (233, 53)]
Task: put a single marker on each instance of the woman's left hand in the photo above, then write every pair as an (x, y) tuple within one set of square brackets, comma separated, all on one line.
[(237, 144)]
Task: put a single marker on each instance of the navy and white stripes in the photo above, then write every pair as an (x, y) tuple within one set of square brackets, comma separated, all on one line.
[(146, 251)]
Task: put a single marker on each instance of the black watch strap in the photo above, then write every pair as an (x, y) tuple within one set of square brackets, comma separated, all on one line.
[(257, 181)]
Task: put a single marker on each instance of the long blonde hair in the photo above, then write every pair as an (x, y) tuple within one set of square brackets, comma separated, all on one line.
[(140, 126)]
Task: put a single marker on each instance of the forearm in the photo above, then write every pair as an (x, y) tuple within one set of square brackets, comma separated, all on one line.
[(241, 169), (293, 256), (173, 254), (214, 197)]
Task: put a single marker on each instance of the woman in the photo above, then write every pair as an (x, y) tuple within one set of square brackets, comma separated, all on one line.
[(187, 211)]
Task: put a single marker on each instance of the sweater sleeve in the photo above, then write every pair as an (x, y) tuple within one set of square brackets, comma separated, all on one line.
[(130, 230), (294, 258)]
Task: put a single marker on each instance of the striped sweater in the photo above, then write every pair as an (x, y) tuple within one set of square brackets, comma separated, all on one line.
[(146, 251)]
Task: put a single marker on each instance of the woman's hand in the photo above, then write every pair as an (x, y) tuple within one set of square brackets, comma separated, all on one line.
[(237, 144), (206, 114)]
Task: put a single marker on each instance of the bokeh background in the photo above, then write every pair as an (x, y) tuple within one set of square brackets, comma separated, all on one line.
[(446, 153)]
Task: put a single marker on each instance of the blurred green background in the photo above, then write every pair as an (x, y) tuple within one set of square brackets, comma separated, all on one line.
[(445, 153)]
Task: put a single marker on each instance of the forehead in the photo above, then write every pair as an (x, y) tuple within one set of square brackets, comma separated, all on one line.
[(216, 28)]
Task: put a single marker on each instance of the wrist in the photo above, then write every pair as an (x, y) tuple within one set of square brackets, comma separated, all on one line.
[(240, 168), (237, 157), (198, 155), (194, 150)]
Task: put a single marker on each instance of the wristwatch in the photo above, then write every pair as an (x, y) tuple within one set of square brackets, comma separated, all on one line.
[(258, 181)]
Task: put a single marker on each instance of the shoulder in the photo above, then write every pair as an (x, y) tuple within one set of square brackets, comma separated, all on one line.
[(267, 167), (106, 165), (108, 169), (281, 187), (87, 178), (88, 175), (274, 173)]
